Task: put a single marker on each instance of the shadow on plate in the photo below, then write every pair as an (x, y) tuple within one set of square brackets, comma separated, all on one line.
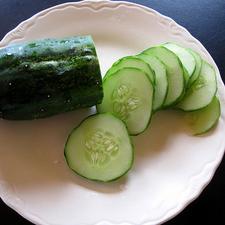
[(32, 155), (164, 127)]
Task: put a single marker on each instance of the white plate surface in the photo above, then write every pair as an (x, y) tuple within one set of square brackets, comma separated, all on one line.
[(171, 167)]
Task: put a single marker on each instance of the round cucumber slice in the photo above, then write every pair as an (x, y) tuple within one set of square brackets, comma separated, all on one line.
[(128, 94), (203, 120), (161, 83), (132, 62), (100, 148), (186, 58), (198, 61), (175, 73), (201, 93)]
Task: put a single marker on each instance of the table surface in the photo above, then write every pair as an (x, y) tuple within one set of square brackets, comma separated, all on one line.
[(205, 19)]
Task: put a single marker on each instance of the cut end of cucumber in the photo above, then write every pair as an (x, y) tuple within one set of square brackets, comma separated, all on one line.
[(100, 148), (203, 120)]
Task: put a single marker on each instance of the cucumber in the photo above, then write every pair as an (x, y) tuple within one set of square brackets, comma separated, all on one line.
[(100, 148), (203, 120), (134, 62), (161, 83), (128, 94), (47, 77), (186, 58), (175, 74), (201, 93), (198, 61)]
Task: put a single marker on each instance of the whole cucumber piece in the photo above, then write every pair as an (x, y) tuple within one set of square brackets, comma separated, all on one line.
[(47, 77)]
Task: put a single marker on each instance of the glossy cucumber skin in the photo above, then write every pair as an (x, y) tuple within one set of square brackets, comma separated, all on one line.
[(47, 77)]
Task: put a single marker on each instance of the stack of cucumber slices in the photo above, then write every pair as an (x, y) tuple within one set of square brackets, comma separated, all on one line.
[(135, 87)]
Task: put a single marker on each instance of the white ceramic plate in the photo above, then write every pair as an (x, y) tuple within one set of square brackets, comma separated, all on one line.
[(171, 167)]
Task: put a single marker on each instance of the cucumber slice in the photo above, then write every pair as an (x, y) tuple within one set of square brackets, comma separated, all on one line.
[(161, 83), (128, 94), (100, 148), (201, 93), (175, 74), (204, 119), (132, 62), (198, 61), (186, 58)]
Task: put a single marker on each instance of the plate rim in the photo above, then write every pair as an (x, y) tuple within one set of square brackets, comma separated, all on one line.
[(20, 30)]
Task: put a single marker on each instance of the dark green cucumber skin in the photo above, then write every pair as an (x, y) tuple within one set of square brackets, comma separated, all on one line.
[(47, 77)]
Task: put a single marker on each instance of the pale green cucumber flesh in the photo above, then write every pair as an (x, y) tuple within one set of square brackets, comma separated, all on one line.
[(128, 94), (100, 148), (203, 120), (198, 61), (161, 83), (201, 93), (175, 73), (185, 57), (132, 62)]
